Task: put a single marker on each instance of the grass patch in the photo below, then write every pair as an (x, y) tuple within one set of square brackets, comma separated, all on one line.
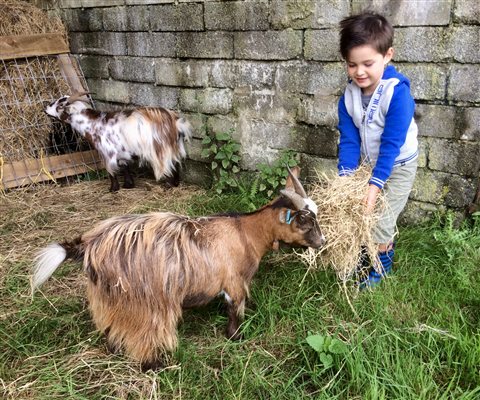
[(415, 337)]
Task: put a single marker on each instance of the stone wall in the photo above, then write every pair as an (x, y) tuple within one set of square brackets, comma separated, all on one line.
[(270, 70)]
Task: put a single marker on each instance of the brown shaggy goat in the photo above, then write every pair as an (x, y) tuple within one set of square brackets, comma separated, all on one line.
[(144, 269)]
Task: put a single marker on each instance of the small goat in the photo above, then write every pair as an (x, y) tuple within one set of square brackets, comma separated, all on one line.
[(153, 135), (143, 270)]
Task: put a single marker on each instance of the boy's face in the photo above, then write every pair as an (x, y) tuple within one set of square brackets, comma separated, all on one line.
[(365, 66)]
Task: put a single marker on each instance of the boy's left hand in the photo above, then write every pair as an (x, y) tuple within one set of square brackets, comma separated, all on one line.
[(371, 198)]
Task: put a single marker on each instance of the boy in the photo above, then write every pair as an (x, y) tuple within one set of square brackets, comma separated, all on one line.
[(376, 126)]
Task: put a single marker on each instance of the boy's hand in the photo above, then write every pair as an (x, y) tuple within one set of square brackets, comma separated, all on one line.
[(371, 198)]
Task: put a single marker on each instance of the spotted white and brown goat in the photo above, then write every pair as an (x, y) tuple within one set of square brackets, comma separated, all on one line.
[(142, 270), (154, 136)]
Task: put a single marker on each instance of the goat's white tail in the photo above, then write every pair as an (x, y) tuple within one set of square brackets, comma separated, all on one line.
[(46, 262)]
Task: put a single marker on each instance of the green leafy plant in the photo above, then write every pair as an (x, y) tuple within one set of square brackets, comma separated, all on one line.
[(223, 153), (275, 175), (326, 347)]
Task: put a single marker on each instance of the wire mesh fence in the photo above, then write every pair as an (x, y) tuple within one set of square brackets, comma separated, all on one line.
[(34, 147)]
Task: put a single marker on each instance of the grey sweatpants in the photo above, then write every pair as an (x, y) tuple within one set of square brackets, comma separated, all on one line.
[(396, 190)]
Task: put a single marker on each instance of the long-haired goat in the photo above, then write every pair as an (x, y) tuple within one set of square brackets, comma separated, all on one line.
[(153, 135), (143, 270)]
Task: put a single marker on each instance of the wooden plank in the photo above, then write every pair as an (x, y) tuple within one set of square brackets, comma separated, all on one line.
[(32, 45), (33, 170), (70, 72)]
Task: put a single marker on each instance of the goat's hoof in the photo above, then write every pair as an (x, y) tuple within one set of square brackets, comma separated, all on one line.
[(235, 336), (128, 185), (151, 365), (113, 349)]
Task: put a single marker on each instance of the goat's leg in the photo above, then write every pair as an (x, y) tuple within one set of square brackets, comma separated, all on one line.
[(235, 317), (174, 180), (128, 182), (114, 185), (235, 309)]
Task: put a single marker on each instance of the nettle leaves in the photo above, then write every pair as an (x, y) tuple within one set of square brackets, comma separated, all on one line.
[(326, 347), (224, 155)]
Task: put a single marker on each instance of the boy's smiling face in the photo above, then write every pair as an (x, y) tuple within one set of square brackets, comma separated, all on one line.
[(365, 66)]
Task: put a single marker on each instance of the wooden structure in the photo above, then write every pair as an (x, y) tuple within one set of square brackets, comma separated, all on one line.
[(44, 166)]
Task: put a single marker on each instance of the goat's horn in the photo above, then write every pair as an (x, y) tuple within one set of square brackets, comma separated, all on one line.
[(297, 185), (76, 96), (296, 199)]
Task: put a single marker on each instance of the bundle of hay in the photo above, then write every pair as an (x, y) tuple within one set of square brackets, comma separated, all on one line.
[(25, 84), (342, 218)]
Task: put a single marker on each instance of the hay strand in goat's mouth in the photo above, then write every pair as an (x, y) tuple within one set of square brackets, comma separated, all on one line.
[(346, 226)]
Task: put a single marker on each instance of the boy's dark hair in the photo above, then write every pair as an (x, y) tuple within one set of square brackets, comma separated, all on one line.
[(367, 28)]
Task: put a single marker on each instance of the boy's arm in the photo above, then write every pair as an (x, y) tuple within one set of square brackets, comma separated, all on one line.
[(397, 121), (349, 146)]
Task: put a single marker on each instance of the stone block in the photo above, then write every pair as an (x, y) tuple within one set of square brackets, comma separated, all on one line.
[(197, 173), (417, 212), (102, 3), (115, 19), (429, 186), (237, 15), (467, 11), (138, 18), (322, 45), (435, 120), (133, 69), (82, 20), (314, 140), (454, 157), (422, 152), (104, 43), (464, 83), (254, 74), (154, 96), (223, 73), (422, 44), (311, 78), (222, 123), (266, 104), (313, 167), (148, 2), (468, 123), (176, 18), (194, 149), (94, 66), (109, 90), (427, 81), (198, 122), (204, 45), (152, 44), (307, 14), (207, 101), (464, 44), (171, 72), (408, 12), (319, 110), (268, 45)]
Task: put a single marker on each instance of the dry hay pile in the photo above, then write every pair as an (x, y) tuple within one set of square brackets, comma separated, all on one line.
[(25, 84), (342, 218)]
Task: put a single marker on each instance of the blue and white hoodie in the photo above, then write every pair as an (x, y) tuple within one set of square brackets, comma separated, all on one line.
[(385, 134)]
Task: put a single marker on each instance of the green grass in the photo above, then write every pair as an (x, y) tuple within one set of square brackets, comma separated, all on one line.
[(417, 336)]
